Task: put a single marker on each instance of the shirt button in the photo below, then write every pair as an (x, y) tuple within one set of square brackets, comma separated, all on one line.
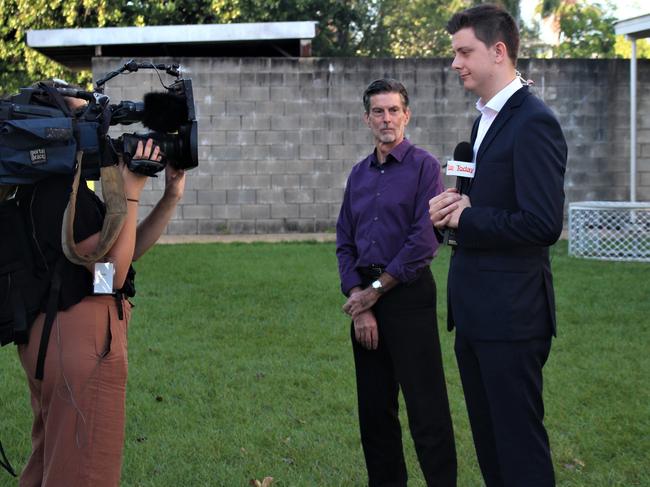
[(376, 218), (382, 171), (378, 194), (373, 242)]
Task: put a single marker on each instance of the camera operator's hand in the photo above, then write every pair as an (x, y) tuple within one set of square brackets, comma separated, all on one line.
[(174, 184), (134, 182), (123, 250), (154, 224), (149, 151)]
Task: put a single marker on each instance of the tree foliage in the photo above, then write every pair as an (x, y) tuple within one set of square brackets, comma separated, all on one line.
[(20, 65), (338, 20), (512, 6), (408, 29), (623, 48), (586, 31), (340, 24), (377, 28)]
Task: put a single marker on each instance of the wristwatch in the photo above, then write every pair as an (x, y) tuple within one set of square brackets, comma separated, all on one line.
[(378, 286)]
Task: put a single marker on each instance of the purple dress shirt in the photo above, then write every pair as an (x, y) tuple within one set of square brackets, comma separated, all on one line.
[(384, 219)]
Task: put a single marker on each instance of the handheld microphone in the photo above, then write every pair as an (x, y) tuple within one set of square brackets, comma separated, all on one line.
[(463, 168)]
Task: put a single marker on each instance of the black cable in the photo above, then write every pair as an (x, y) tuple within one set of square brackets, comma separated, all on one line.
[(5, 462)]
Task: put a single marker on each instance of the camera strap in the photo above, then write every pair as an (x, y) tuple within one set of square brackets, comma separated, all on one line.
[(50, 314), (115, 200), (56, 97), (6, 191)]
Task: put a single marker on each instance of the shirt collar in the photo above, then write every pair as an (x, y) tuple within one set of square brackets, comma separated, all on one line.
[(495, 104), (396, 154)]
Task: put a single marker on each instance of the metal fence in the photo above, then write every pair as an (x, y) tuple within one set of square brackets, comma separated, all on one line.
[(609, 230)]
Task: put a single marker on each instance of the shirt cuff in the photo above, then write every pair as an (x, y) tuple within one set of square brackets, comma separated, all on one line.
[(394, 270), (350, 281)]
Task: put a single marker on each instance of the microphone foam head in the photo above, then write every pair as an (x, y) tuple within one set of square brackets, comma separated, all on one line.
[(463, 152), (164, 112)]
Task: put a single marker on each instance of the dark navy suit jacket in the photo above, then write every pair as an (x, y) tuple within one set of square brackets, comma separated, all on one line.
[(500, 284)]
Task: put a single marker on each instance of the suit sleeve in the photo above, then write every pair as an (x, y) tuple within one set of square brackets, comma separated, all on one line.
[(539, 163)]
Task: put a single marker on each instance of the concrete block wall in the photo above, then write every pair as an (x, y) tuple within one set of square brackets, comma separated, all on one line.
[(592, 101), (278, 136)]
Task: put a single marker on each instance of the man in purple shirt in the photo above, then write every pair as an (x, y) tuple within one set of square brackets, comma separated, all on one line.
[(384, 244)]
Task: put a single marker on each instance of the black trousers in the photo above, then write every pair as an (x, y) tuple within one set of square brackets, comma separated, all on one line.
[(502, 382), (408, 357)]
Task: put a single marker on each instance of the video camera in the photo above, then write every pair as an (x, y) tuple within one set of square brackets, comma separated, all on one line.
[(40, 134)]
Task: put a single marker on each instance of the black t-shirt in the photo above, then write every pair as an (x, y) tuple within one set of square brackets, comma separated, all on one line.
[(46, 202)]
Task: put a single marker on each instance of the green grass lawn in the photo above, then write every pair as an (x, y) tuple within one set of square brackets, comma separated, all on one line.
[(241, 368)]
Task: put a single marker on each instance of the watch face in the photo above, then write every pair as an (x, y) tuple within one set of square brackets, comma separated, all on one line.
[(377, 285)]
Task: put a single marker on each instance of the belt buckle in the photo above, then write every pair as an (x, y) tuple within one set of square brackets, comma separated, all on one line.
[(376, 270)]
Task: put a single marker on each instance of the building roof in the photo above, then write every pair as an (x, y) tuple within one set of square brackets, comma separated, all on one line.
[(636, 27), (74, 48)]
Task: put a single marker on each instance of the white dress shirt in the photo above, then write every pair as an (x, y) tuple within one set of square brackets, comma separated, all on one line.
[(491, 109)]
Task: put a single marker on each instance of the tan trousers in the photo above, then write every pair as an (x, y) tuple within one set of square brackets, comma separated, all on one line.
[(78, 430)]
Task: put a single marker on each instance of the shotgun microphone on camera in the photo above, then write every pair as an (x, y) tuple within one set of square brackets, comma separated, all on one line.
[(164, 112)]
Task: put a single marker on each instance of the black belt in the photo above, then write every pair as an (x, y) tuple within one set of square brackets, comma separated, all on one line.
[(372, 271)]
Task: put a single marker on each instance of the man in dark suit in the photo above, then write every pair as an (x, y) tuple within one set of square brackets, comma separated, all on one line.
[(500, 290)]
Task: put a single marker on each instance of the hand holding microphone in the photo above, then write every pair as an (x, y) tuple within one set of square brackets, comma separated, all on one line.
[(445, 208)]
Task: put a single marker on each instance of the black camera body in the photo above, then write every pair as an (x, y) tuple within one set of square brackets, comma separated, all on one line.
[(38, 131), (172, 117)]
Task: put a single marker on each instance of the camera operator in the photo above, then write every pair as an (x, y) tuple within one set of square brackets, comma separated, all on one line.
[(79, 406)]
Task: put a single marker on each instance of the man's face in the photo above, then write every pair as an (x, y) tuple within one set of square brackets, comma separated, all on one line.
[(474, 62), (387, 118)]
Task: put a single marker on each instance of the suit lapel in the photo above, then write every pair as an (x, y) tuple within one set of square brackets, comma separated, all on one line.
[(504, 115), (475, 130), (468, 184)]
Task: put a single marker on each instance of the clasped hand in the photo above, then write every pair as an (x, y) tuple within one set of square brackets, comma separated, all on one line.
[(445, 209), (358, 306), (360, 301), (365, 330)]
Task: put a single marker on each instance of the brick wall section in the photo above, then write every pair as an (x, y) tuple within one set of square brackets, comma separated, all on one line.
[(277, 137)]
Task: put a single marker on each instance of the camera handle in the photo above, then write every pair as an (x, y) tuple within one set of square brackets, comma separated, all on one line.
[(132, 66)]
